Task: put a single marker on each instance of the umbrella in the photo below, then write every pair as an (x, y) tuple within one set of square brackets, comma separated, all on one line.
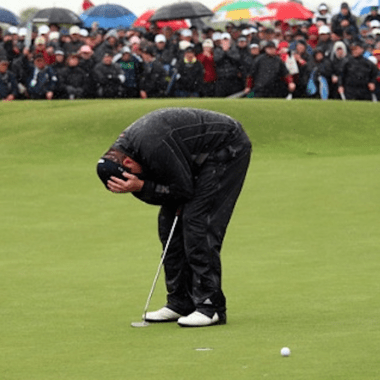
[(285, 11), (178, 11), (108, 16), (363, 7), (56, 16), (238, 10), (143, 21), (7, 17)]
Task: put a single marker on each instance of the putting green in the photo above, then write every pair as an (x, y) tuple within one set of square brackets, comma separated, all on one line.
[(301, 256)]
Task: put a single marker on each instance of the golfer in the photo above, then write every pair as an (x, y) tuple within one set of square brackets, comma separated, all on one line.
[(194, 161)]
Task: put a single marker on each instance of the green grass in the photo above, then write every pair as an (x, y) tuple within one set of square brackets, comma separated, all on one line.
[(301, 257)]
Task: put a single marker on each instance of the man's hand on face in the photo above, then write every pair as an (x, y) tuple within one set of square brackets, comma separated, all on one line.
[(131, 184)]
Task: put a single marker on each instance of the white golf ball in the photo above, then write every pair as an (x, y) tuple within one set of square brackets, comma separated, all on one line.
[(285, 351)]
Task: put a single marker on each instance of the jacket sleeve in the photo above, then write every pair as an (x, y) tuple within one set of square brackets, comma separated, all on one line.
[(169, 179)]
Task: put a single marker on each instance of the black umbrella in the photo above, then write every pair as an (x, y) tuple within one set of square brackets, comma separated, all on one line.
[(57, 16), (179, 11)]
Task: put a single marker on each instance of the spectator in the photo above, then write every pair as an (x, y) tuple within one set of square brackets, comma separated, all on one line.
[(270, 76), (313, 35), (339, 53), (162, 53), (40, 48), (87, 64), (242, 48), (152, 80), (59, 66), (325, 44), (22, 32), (345, 20), (254, 53), (73, 78), (244, 55), (320, 70), (83, 33), (250, 34), (302, 58), (54, 41), (376, 54), (217, 39), (75, 41), (152, 32), (227, 62), (108, 46), (190, 75), (59, 63), (43, 31), (322, 16), (108, 77), (135, 44), (299, 36), (373, 25), (8, 82), (195, 40), (206, 58), (131, 67), (357, 79), (42, 80), (373, 15)]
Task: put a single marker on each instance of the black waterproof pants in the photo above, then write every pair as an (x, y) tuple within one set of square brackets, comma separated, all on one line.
[(192, 264)]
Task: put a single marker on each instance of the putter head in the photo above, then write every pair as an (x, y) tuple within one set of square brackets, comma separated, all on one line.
[(140, 324)]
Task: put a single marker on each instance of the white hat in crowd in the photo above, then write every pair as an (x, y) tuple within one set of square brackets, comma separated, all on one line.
[(216, 36), (13, 30), (74, 30), (208, 43), (226, 36), (186, 33), (125, 49), (324, 29), (43, 29), (159, 38), (22, 32), (183, 45), (54, 36), (83, 33), (375, 24)]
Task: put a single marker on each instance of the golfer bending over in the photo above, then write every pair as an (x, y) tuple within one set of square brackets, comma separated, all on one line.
[(195, 161)]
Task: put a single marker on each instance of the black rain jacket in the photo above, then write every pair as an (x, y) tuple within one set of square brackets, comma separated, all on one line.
[(172, 144)]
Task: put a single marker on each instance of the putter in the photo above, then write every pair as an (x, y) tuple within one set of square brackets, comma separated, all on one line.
[(374, 97), (144, 323), (343, 97)]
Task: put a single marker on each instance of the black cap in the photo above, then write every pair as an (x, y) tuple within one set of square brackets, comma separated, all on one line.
[(270, 44), (147, 49), (107, 168), (344, 5), (357, 42)]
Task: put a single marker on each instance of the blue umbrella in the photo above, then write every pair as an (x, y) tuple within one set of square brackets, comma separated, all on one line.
[(7, 17), (108, 16), (363, 7)]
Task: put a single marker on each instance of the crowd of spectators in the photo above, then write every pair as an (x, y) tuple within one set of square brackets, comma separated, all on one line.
[(328, 57)]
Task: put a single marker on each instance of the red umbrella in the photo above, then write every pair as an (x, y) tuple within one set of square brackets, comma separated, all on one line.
[(143, 21), (286, 11)]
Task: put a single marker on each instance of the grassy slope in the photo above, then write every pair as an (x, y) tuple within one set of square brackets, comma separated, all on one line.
[(301, 257)]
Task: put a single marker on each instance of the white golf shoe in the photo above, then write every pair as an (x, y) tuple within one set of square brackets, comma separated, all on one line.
[(163, 315), (198, 319)]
